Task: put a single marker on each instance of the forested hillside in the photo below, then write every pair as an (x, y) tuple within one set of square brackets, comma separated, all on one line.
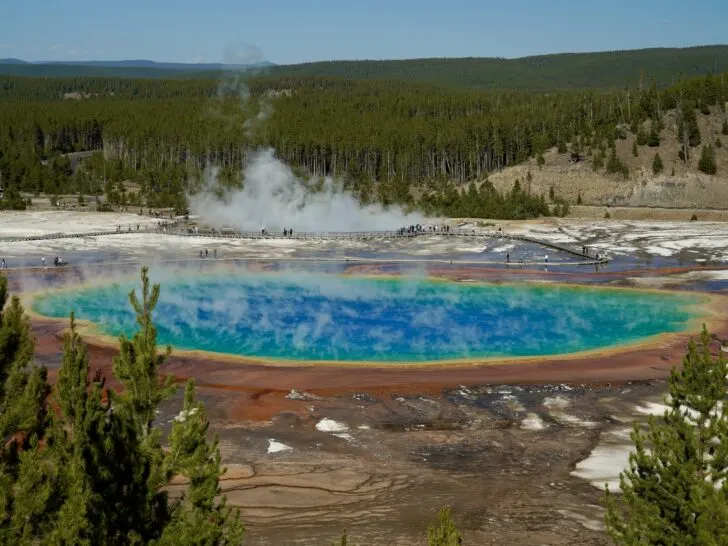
[(601, 70), (386, 141)]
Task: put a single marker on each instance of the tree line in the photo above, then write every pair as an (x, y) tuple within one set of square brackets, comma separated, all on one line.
[(386, 141)]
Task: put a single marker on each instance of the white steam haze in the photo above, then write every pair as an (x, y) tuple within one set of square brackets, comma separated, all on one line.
[(275, 198)]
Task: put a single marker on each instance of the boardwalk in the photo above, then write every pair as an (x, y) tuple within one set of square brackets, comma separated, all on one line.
[(587, 257)]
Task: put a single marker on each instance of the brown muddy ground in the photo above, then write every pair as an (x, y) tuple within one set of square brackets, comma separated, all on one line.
[(465, 448), (402, 457)]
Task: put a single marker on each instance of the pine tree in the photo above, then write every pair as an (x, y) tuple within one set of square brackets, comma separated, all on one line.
[(23, 417), (688, 126), (707, 160), (675, 490), (107, 467), (654, 139), (657, 165), (138, 363), (72, 446), (97, 479), (23, 425), (33, 495), (615, 165), (197, 518), (443, 531)]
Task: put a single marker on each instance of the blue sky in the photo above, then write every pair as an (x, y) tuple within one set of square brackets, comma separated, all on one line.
[(293, 31)]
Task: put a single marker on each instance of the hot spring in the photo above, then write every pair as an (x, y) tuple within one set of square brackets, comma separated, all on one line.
[(324, 317)]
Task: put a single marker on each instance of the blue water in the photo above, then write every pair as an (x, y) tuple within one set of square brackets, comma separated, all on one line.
[(330, 317)]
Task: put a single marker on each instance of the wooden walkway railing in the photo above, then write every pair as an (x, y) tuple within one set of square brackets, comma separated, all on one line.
[(321, 236)]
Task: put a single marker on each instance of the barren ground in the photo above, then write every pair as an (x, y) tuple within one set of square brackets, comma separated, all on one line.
[(680, 185)]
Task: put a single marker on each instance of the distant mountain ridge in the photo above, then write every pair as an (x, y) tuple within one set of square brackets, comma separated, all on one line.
[(123, 69), (600, 70), (143, 63)]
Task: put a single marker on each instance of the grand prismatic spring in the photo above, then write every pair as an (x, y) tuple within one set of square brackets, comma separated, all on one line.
[(323, 317)]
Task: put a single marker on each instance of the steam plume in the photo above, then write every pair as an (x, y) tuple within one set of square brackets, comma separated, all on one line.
[(275, 198)]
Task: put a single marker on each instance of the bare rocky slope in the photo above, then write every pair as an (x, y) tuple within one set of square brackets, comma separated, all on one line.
[(678, 186)]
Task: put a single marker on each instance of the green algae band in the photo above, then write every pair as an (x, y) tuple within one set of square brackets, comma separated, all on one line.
[(334, 318)]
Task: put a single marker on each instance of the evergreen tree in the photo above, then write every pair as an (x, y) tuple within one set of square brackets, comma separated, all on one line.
[(89, 474), (80, 419), (137, 368), (689, 126), (198, 518), (109, 467), (615, 165), (707, 160), (675, 491), (654, 138), (31, 495), (23, 420), (657, 165), (138, 363), (443, 531)]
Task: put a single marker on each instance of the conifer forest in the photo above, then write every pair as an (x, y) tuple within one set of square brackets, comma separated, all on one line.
[(404, 142)]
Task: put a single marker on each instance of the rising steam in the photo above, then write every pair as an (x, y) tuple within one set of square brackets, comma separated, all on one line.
[(275, 198)]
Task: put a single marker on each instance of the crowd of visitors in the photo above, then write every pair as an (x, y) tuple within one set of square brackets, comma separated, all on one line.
[(419, 229)]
